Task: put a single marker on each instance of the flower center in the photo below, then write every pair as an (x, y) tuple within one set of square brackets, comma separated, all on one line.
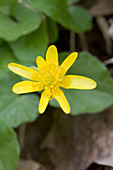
[(50, 78), (50, 81)]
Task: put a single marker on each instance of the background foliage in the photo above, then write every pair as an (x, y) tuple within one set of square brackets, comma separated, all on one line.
[(26, 29)]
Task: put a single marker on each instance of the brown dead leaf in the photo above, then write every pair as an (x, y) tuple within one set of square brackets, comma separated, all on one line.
[(103, 7), (29, 165)]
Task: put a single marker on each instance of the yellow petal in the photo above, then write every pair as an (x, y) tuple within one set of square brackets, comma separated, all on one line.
[(77, 82), (60, 97), (52, 55), (34, 68), (27, 87), (44, 100), (41, 64), (67, 63), (24, 71)]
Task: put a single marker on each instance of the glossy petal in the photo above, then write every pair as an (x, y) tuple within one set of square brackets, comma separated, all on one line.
[(44, 100), (41, 64), (24, 71), (27, 87), (77, 82), (52, 55), (60, 97), (67, 63), (34, 68)]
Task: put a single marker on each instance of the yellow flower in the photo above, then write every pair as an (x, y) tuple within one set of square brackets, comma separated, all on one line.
[(49, 76)]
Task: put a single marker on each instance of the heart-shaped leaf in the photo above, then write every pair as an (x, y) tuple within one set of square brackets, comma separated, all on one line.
[(9, 148), (89, 101), (73, 18), (14, 109), (28, 47), (17, 20)]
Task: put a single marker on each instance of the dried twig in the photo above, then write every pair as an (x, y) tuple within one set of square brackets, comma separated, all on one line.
[(21, 135), (103, 25), (72, 41), (83, 42), (109, 61)]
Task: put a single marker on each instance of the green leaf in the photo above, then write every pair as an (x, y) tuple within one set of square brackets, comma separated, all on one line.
[(81, 19), (6, 56), (14, 109), (73, 18), (52, 30), (5, 6), (89, 101), (72, 1), (28, 47), (9, 148), (20, 21), (56, 10)]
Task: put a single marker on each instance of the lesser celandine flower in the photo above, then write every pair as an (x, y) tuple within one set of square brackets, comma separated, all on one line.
[(49, 76)]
